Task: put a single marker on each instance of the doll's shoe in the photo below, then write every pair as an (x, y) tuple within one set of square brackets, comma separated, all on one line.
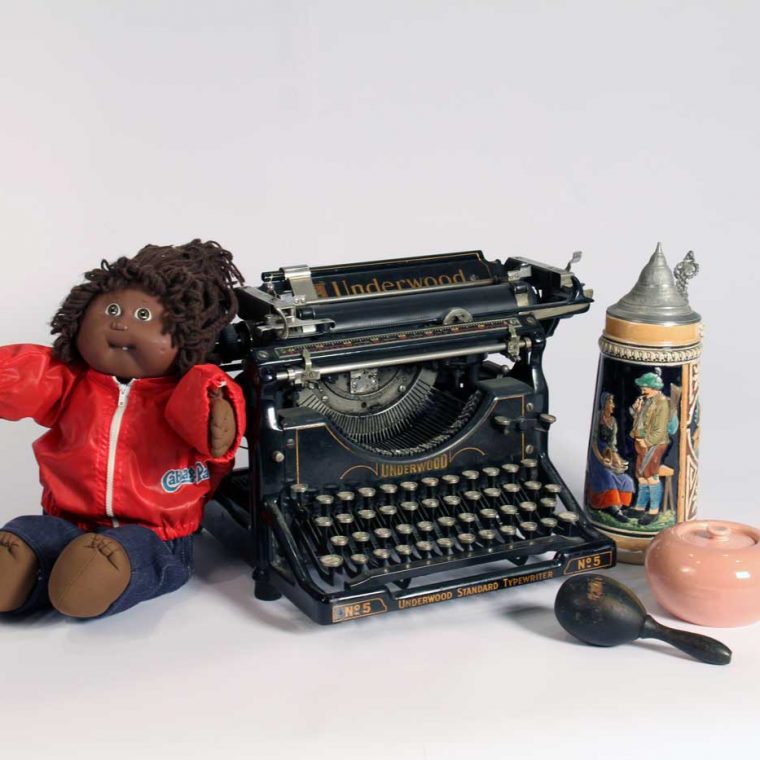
[(91, 573), (18, 571)]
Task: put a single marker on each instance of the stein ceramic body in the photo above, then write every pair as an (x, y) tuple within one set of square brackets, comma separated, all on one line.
[(641, 475)]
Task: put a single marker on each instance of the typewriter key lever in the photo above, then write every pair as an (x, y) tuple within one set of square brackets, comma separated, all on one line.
[(601, 611)]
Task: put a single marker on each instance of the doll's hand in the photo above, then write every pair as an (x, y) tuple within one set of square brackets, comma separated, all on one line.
[(221, 426)]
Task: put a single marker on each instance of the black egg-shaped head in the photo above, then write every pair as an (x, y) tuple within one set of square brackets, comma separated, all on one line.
[(599, 610)]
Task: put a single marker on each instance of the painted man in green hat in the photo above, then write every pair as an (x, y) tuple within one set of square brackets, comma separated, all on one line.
[(651, 415)]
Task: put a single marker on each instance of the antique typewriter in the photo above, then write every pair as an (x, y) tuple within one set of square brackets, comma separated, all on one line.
[(398, 434)]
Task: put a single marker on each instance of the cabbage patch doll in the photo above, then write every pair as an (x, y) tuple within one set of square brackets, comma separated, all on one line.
[(140, 431)]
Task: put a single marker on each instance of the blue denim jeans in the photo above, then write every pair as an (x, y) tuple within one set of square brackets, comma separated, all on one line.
[(158, 567)]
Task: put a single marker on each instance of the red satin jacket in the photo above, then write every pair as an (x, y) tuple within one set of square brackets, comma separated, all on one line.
[(119, 454)]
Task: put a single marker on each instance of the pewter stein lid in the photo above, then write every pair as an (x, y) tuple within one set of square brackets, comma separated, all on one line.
[(660, 295)]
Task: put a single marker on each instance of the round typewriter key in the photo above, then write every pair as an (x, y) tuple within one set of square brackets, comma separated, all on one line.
[(366, 515), (331, 561), (511, 491), (528, 509), (567, 522), (467, 540), (532, 488), (487, 536), (546, 506), (425, 548), (367, 495), (383, 534), (339, 542), (467, 518), (324, 502), (425, 526), (388, 511), (553, 489), (409, 487), (451, 482), (298, 489), (381, 555), (492, 475), (389, 491), (404, 529), (446, 545), (510, 470), (471, 478), (404, 551), (529, 529), (447, 523), (430, 484), (323, 522), (344, 518), (547, 525), (431, 505), (359, 559), (360, 536), (493, 495), (530, 469), (508, 512), (346, 498), (452, 502), (409, 508), (508, 532), (490, 515)]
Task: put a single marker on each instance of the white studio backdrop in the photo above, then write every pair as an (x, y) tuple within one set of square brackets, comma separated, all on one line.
[(324, 132)]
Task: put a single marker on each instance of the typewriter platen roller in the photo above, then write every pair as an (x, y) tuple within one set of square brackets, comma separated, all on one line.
[(398, 434)]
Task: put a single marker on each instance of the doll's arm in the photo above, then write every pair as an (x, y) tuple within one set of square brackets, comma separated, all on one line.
[(222, 427), (33, 384), (208, 411)]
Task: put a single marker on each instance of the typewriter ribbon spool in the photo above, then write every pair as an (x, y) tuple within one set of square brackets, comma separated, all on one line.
[(642, 466)]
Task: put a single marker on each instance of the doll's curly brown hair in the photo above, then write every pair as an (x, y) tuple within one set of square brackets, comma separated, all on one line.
[(195, 283)]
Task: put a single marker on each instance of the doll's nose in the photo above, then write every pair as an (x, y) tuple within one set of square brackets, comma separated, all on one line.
[(117, 324)]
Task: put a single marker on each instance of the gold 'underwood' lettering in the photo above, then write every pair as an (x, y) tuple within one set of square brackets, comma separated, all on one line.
[(440, 462), (375, 285)]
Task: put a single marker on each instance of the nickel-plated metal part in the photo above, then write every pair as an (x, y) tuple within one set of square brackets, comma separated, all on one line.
[(344, 518), (655, 298)]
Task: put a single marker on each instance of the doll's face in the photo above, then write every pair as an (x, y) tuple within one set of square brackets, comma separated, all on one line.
[(122, 334)]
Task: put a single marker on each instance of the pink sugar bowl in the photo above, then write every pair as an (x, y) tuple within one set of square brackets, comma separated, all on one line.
[(707, 572)]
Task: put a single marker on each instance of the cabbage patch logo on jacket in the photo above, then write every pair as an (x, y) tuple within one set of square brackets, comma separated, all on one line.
[(173, 480)]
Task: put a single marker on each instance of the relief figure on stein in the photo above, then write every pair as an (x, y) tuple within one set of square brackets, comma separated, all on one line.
[(632, 455)]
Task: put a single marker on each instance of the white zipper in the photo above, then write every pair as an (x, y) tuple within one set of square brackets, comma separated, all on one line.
[(113, 439)]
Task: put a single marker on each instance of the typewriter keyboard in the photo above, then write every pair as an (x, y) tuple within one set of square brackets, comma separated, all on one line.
[(373, 530)]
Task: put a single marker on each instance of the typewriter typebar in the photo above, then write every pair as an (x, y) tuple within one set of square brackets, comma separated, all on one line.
[(398, 434)]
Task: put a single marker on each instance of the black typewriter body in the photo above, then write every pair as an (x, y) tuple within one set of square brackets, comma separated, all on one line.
[(398, 435)]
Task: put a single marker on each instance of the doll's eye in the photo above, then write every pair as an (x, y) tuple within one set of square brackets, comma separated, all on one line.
[(143, 314), (113, 310)]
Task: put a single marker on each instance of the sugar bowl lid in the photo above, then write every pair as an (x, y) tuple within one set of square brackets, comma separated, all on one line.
[(717, 535)]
